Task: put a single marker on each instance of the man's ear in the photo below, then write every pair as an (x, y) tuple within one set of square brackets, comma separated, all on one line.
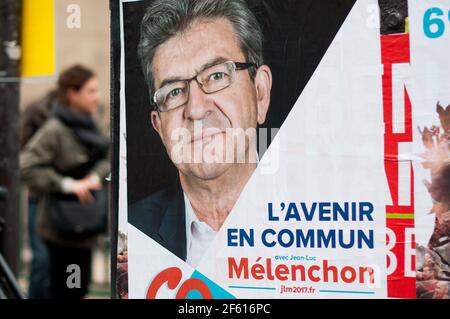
[(156, 122), (263, 84)]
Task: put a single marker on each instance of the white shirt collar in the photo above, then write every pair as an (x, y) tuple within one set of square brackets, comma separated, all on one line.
[(198, 234)]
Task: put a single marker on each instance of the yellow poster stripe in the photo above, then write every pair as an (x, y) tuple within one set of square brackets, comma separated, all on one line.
[(38, 38), (400, 216)]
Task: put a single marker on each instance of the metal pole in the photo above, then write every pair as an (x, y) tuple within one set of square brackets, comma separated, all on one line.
[(10, 17)]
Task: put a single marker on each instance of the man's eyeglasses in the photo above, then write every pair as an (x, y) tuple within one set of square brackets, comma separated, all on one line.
[(210, 80)]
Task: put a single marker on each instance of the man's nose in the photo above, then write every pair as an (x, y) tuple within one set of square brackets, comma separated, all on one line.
[(198, 104)]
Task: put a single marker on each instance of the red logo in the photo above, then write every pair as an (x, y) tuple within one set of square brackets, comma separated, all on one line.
[(173, 277)]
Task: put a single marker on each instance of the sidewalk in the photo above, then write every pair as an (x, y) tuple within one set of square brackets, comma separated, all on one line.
[(100, 284)]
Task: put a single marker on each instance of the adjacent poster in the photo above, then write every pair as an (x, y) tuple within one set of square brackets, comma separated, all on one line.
[(430, 147), (263, 152)]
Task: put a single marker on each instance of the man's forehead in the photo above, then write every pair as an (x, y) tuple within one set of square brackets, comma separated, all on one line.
[(201, 44)]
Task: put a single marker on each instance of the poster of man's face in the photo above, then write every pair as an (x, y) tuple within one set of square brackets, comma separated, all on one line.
[(250, 130), (209, 90), (208, 84)]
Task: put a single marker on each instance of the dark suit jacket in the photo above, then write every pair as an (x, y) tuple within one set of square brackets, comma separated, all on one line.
[(162, 217)]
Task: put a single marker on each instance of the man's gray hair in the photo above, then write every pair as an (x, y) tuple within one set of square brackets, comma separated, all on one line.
[(167, 18)]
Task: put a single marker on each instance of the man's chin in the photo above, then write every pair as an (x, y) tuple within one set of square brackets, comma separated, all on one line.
[(206, 171)]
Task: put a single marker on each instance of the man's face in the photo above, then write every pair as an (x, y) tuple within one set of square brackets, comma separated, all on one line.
[(241, 105)]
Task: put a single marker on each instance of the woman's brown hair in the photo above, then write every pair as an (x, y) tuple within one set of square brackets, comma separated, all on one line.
[(72, 78)]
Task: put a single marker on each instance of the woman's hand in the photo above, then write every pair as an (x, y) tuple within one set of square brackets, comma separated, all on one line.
[(82, 188)]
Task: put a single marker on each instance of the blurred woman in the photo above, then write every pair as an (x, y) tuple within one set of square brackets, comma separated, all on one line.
[(68, 155)]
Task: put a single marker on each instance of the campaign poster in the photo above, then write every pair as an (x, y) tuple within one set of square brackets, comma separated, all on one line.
[(274, 149)]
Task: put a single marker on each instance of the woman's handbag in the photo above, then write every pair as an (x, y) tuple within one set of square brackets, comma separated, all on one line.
[(73, 219)]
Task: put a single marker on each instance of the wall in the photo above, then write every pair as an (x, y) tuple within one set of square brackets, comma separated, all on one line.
[(88, 45)]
